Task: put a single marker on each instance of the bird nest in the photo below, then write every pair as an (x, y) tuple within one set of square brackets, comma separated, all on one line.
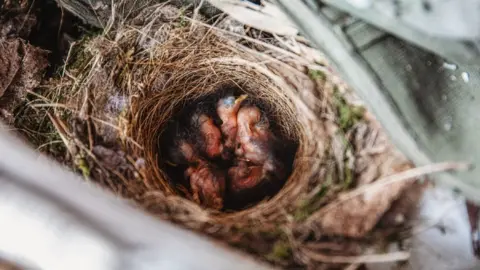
[(119, 92)]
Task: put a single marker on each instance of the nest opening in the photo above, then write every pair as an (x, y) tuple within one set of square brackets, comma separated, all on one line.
[(284, 149)]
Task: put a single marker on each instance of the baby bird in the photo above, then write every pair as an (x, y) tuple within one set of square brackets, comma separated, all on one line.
[(178, 151), (256, 142), (206, 182), (208, 185), (227, 109), (253, 136), (243, 177), (188, 154), (211, 137)]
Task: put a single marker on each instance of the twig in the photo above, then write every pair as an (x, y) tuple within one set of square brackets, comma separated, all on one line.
[(69, 54), (48, 143), (197, 10), (267, 45), (373, 258), (60, 25), (117, 129), (96, 15), (30, 8), (292, 48), (353, 266), (62, 132), (273, 59), (399, 177), (90, 129), (51, 105)]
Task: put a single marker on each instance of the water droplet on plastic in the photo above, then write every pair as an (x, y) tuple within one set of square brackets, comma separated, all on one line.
[(465, 77), (360, 3), (449, 66), (448, 124)]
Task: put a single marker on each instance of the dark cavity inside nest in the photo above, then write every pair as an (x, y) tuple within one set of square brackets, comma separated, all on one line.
[(284, 149)]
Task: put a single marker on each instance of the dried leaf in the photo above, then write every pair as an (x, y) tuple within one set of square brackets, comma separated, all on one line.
[(21, 70), (10, 62)]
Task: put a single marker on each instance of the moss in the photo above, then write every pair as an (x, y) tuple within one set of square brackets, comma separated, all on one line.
[(275, 233), (348, 176), (281, 250), (183, 21), (308, 206), (348, 115), (79, 53), (82, 165), (317, 75)]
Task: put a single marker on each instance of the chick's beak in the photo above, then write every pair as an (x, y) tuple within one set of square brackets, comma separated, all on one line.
[(240, 99)]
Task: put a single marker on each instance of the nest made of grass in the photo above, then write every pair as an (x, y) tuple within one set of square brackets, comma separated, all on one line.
[(118, 90)]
